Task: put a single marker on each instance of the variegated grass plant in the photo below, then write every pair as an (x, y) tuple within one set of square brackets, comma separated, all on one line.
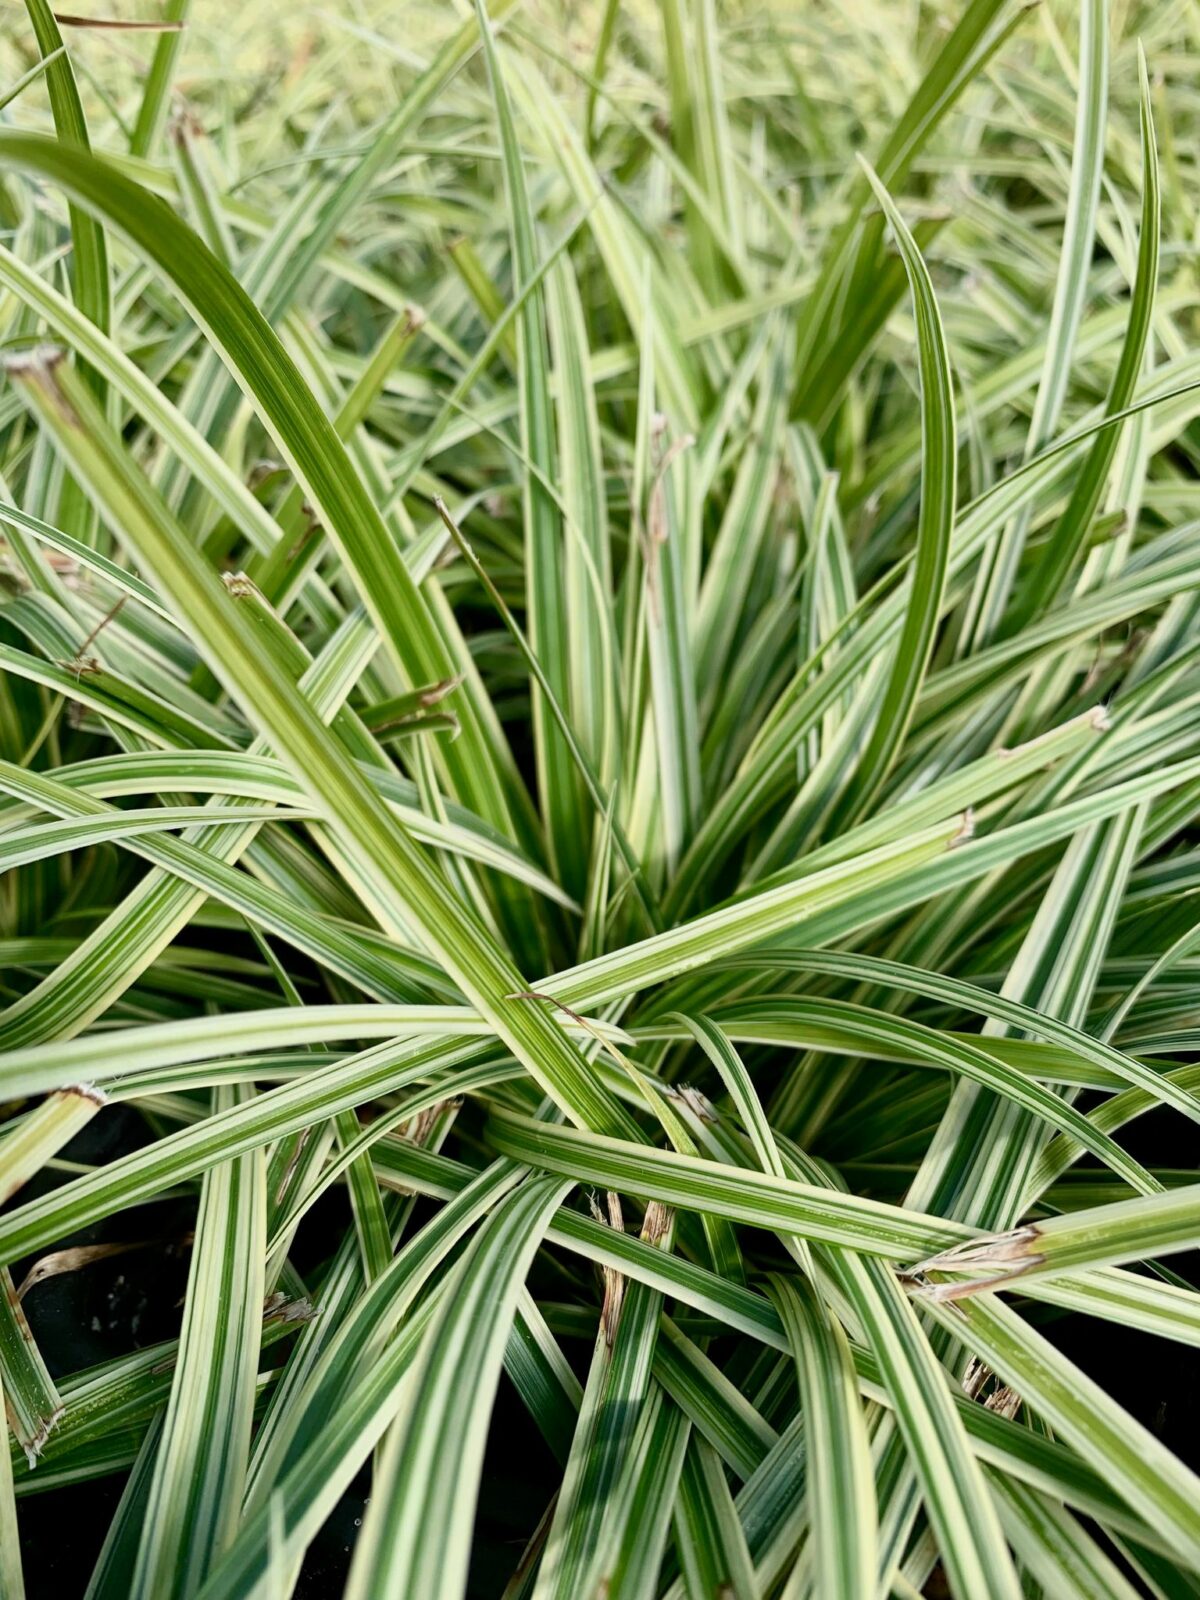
[(600, 715)]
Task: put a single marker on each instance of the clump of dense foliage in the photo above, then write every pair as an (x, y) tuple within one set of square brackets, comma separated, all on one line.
[(600, 732)]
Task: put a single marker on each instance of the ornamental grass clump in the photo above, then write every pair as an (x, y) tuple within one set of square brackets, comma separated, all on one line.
[(599, 765)]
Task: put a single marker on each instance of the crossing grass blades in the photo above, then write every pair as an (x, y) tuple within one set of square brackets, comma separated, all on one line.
[(600, 733)]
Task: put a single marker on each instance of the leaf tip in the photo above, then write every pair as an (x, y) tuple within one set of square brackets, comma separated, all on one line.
[(35, 362), (86, 1091), (965, 830)]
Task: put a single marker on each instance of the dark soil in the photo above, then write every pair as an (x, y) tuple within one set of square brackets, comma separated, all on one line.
[(128, 1301)]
